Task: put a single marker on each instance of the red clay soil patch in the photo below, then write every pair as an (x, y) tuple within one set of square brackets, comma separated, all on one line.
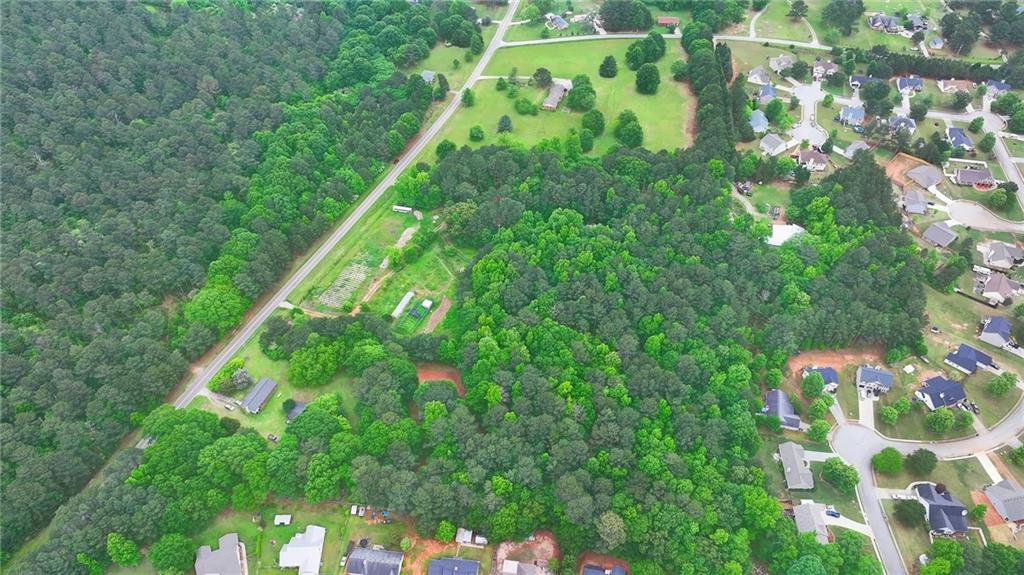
[(1001, 467), (437, 371), (425, 549), (605, 562), (435, 318), (538, 552), (896, 168), (991, 516), (835, 359)]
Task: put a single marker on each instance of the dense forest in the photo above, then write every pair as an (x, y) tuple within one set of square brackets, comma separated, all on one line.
[(162, 154)]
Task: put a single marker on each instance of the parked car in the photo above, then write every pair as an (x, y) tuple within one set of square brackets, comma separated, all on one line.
[(831, 511), (273, 437)]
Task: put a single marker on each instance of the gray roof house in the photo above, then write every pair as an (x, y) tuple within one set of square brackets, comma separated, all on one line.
[(855, 147), (295, 411), (559, 88), (858, 80), (936, 43), (889, 24), (917, 22), (765, 94), (364, 561), (304, 550), (940, 234), (453, 566), (925, 176), (996, 331), (798, 473), (428, 76), (873, 378), (809, 518), (781, 63), (1007, 499), (758, 122), (996, 88), (1001, 255), (902, 123), (945, 514), (776, 403), (968, 360), (998, 288), (258, 395), (851, 115), (958, 138), (824, 69), (772, 145), (758, 76), (914, 202), (909, 84), (228, 559), (512, 567), (941, 392), (974, 176)]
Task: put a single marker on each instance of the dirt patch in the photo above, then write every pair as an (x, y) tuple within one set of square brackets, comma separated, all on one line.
[(605, 562), (423, 550), (403, 239), (435, 318), (835, 359), (896, 168), (991, 516), (1003, 534), (538, 552), (437, 371), (691, 123)]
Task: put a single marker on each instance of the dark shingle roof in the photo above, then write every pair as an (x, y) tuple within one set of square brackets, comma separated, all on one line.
[(940, 234), (997, 325), (827, 373), (776, 403), (959, 138), (945, 512), (943, 392), (374, 562), (453, 566), (867, 374), (968, 358), (258, 395)]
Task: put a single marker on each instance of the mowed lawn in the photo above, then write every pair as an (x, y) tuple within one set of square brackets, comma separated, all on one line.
[(774, 23), (664, 116)]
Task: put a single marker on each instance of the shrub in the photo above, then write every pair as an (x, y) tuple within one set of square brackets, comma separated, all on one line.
[(476, 133), (812, 385), (909, 512), (921, 462), (840, 475), (887, 461)]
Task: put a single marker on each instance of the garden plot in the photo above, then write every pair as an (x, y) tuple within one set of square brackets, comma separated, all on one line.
[(346, 284)]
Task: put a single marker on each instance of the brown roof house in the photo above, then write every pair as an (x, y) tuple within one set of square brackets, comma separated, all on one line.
[(953, 85), (974, 177), (813, 160), (998, 288)]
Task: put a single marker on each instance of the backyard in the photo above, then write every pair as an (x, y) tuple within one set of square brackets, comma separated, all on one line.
[(960, 476), (912, 541)]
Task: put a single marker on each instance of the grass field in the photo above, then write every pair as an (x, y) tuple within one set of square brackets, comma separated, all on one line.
[(776, 194), (960, 477), (825, 493), (774, 23), (432, 276), (665, 116), (1015, 147), (912, 541), (844, 135)]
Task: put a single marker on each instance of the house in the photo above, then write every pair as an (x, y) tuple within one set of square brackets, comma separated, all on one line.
[(759, 76), (941, 392), (996, 331), (968, 360), (559, 88), (1002, 256), (998, 288), (918, 23), (897, 123), (909, 84), (776, 403), (974, 177), (781, 63), (851, 115), (995, 88), (228, 559), (857, 80), (555, 22), (952, 85), (813, 160), (925, 176), (873, 379), (782, 233), (914, 202), (798, 473), (258, 395), (428, 76), (452, 566), (1007, 500), (888, 24), (828, 375), (304, 550), (765, 94), (939, 234), (810, 518), (944, 513), (857, 146), (823, 69), (668, 21), (758, 122), (295, 411), (959, 139), (936, 43), (772, 145), (366, 561), (510, 567)]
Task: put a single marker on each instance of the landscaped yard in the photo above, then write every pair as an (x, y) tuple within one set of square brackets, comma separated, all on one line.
[(825, 493), (993, 409), (844, 135), (912, 541), (666, 116), (1015, 147), (774, 194), (960, 477)]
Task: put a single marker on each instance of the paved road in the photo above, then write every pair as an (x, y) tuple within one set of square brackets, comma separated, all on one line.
[(635, 35), (242, 334)]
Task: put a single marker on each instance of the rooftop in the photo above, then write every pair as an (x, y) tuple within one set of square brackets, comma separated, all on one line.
[(366, 561), (1007, 499), (453, 566), (258, 395), (798, 475), (940, 234), (226, 560)]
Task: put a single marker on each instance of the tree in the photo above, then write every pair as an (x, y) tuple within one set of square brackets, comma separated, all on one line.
[(842, 14), (468, 98), (612, 530), (609, 68), (92, 566), (888, 461), (818, 432), (476, 133), (445, 532), (504, 124), (940, 421), (444, 148), (542, 77), (405, 544), (582, 96), (977, 512), (647, 79), (679, 70), (909, 512), (625, 15), (820, 406), (960, 100), (919, 109), (172, 554), (627, 129), (889, 415), (122, 550), (998, 199), (812, 385), (963, 419), (797, 10), (1001, 384), (840, 475), (988, 141), (807, 564), (593, 120), (976, 125), (828, 100), (920, 462)]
